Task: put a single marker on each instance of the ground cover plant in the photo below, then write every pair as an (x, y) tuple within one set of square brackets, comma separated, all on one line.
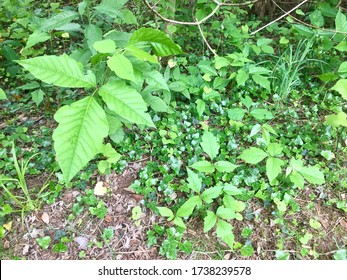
[(173, 130)]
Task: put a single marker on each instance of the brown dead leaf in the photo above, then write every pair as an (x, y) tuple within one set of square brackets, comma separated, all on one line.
[(45, 218), (108, 219), (8, 226)]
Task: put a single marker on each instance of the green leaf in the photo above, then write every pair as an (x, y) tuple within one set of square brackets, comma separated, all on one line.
[(274, 149), (280, 255), (156, 103), (122, 67), (341, 87), (210, 144), (297, 179), (224, 232), (226, 213), (306, 238), (141, 54), (253, 155), (2, 94), (231, 190), (126, 102), (225, 166), (247, 251), (340, 22), (342, 71), (336, 120), (194, 181), (44, 242), (58, 20), (312, 175), (209, 221), (340, 254), (92, 33), (188, 207), (79, 135), (203, 166), (317, 18), (281, 205), (108, 151), (211, 193), (242, 77), (262, 114), (37, 96), (37, 37), (262, 81), (156, 79), (162, 45), (221, 62), (105, 46), (60, 248), (315, 224), (232, 203), (200, 106), (2, 232), (236, 114), (273, 168), (178, 221), (166, 212), (342, 47), (61, 71)]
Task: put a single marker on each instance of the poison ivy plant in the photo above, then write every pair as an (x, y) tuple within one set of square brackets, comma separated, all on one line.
[(84, 124)]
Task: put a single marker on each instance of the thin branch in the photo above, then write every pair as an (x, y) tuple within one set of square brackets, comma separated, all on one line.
[(206, 42), (282, 16)]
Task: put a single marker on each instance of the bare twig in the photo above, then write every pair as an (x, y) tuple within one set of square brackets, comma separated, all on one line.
[(206, 42), (279, 18)]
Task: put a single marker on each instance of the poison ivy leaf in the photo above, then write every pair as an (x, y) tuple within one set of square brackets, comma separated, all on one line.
[(262, 114), (2, 94), (178, 221), (274, 149), (247, 251), (317, 18), (203, 166), (232, 203), (141, 54), (61, 71), (210, 144), (281, 205), (225, 166), (209, 221), (211, 193), (231, 190), (58, 20), (162, 45), (253, 155), (242, 77), (105, 46), (188, 207), (341, 87), (126, 102), (236, 114), (37, 96), (108, 151), (340, 22), (200, 106), (226, 213), (312, 175), (297, 179), (166, 212), (342, 47), (224, 232), (342, 71), (79, 135), (273, 168), (121, 66), (221, 62), (194, 181), (262, 81)]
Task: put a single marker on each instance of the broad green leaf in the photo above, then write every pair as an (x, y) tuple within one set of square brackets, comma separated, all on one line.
[(121, 66), (211, 193), (61, 71), (200, 106), (233, 204), (281, 255), (242, 77), (37, 37), (340, 254), (210, 144), (315, 224), (105, 46), (155, 78), (58, 20), (262, 81), (162, 45), (44, 242), (336, 120), (166, 212), (203, 166), (231, 190), (273, 168), (2, 94), (306, 238), (194, 181), (110, 153), (253, 155), (247, 251), (342, 71), (188, 207), (297, 179), (178, 86), (340, 22), (269, 129), (178, 221), (37, 96), (225, 213), (313, 175), (281, 205), (92, 34), (141, 54), (255, 130), (221, 62), (157, 104), (236, 114), (342, 47), (262, 114), (317, 18), (274, 149), (126, 102), (223, 229), (225, 166), (209, 221), (341, 87), (79, 135)]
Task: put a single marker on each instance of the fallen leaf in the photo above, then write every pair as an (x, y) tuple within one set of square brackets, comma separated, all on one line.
[(82, 242), (8, 226), (99, 188), (108, 219), (45, 218)]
